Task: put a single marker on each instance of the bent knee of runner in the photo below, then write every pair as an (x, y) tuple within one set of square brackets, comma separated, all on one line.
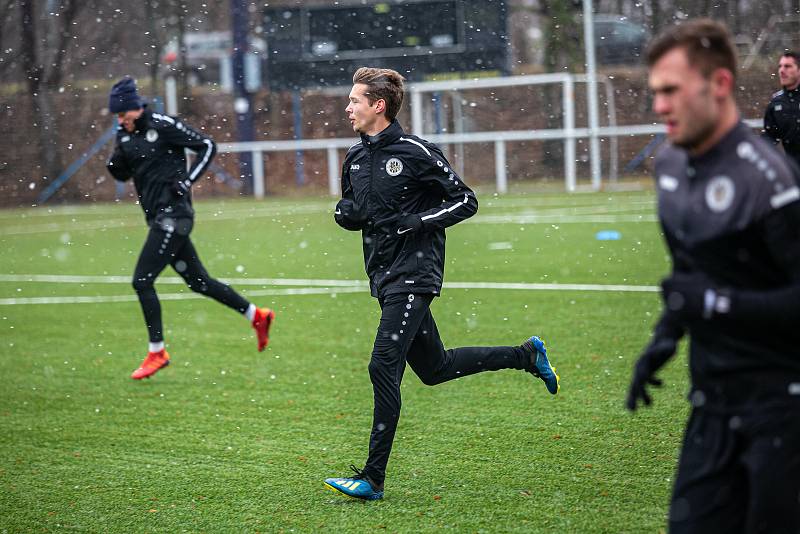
[(197, 284), (142, 283)]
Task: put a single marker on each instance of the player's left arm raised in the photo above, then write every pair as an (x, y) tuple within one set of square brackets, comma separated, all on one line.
[(458, 202)]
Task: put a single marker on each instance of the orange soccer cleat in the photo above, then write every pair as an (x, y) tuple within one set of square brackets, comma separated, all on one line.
[(151, 364), (261, 322)]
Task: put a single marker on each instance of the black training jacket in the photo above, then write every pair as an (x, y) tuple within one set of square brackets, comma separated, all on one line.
[(782, 121), (153, 155), (392, 175), (733, 215)]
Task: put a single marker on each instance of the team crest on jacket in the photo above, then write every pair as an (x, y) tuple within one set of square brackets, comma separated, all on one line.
[(394, 167), (151, 136), (720, 193)]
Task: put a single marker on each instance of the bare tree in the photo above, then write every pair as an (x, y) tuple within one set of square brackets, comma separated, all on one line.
[(45, 42), (561, 51)]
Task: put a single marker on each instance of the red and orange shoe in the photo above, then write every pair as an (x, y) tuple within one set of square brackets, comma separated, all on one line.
[(151, 364), (261, 322)]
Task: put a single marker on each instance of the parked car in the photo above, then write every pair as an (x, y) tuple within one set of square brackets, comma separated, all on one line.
[(618, 41)]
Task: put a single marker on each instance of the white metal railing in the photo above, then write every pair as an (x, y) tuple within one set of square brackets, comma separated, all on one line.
[(568, 133), (499, 138)]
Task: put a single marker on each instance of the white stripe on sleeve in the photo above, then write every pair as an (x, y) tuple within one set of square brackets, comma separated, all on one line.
[(416, 143), (202, 165), (446, 210)]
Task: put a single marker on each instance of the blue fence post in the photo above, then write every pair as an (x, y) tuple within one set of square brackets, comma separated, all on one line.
[(297, 109)]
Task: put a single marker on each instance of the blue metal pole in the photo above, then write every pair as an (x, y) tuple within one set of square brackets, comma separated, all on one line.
[(299, 163), (242, 103), (437, 111), (77, 164)]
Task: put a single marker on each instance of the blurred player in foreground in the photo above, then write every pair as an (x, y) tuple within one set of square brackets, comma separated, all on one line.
[(728, 205)]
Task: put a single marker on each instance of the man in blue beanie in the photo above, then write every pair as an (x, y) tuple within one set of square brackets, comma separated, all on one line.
[(150, 148)]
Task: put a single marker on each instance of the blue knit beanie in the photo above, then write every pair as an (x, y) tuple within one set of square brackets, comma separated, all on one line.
[(123, 96)]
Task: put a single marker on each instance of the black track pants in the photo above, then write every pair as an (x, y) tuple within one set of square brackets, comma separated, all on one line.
[(407, 332), (739, 473), (168, 243)]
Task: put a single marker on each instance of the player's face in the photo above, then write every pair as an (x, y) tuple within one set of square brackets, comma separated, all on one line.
[(363, 117), (788, 72), (684, 99), (127, 118)]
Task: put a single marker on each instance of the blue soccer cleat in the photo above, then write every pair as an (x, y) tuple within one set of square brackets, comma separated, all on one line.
[(540, 365), (358, 487)]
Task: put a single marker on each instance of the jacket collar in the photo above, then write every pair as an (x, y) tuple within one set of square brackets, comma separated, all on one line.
[(389, 135), (726, 145), (143, 121)]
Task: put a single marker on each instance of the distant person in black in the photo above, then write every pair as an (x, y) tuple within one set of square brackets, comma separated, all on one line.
[(400, 192), (782, 117), (729, 210), (150, 148)]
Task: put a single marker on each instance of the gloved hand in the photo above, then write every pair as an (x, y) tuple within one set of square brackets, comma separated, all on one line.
[(181, 187), (693, 296), (655, 355), (666, 334), (408, 224), (348, 216)]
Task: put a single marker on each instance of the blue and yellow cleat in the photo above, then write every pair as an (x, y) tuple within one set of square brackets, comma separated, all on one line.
[(358, 487), (540, 365)]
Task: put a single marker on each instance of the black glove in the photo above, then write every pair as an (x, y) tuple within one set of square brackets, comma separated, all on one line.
[(408, 224), (666, 335), (181, 187), (348, 216), (693, 296)]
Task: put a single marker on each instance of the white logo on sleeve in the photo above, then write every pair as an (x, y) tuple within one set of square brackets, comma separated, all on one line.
[(746, 151), (667, 182), (719, 193), (151, 136), (394, 167)]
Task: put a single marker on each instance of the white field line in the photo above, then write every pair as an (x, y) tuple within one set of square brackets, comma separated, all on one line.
[(138, 220), (203, 210), (503, 203), (562, 219), (486, 201), (104, 299), (587, 210), (320, 287), (527, 218), (100, 279), (566, 214)]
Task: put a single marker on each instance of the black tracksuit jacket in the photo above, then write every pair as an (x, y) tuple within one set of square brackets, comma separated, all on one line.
[(153, 155), (782, 121), (733, 215), (392, 175)]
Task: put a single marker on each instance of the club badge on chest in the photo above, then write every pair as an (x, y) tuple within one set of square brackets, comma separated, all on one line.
[(394, 167), (720, 193)]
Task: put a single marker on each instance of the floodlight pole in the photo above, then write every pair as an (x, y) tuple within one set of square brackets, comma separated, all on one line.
[(591, 92)]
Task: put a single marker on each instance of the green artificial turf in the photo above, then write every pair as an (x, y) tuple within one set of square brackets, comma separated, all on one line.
[(227, 439)]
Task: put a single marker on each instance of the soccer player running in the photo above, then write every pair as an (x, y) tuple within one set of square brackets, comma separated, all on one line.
[(782, 116), (729, 210), (401, 193), (150, 149)]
